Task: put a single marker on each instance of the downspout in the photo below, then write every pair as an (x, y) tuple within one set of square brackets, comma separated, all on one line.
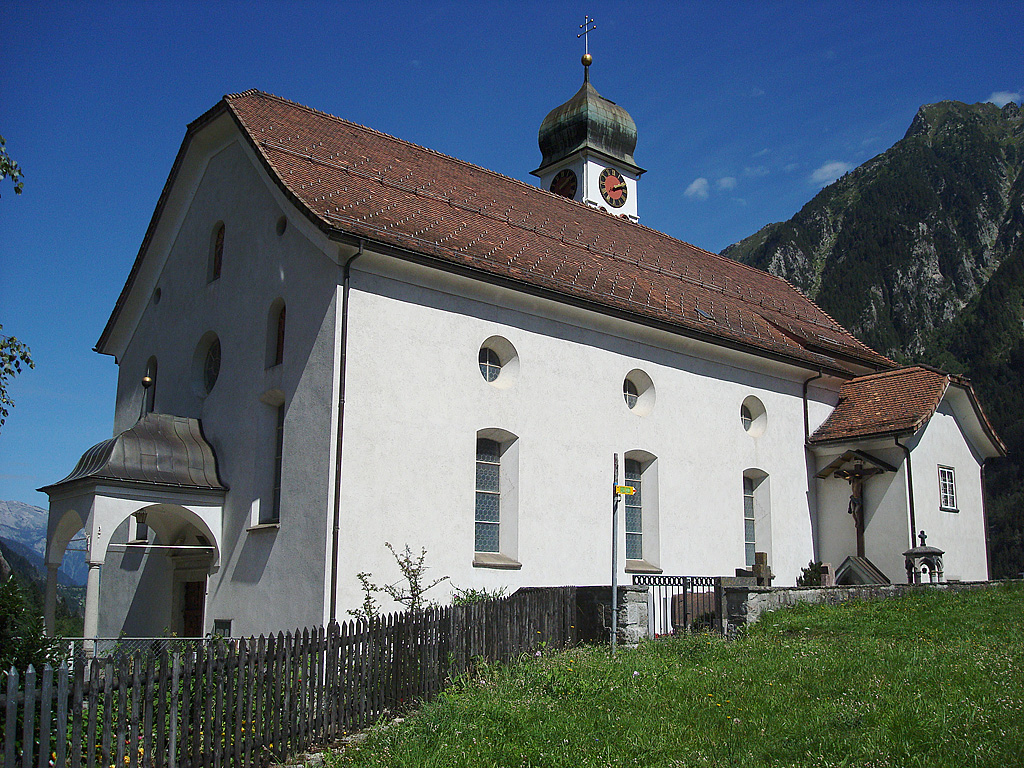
[(984, 521), (346, 274), (812, 488), (910, 489), (807, 424)]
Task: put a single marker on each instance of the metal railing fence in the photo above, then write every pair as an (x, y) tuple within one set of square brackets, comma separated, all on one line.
[(682, 603)]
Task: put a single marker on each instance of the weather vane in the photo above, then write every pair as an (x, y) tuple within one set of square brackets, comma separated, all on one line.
[(587, 26)]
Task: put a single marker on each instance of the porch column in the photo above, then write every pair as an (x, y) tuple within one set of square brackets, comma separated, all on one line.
[(50, 604), (92, 604)]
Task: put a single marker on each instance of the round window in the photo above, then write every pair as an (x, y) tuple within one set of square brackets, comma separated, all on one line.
[(499, 362), (211, 365), (490, 364), (638, 392), (753, 416), (206, 364)]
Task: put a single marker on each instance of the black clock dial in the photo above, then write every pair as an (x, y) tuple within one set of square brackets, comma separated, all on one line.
[(613, 188), (564, 183)]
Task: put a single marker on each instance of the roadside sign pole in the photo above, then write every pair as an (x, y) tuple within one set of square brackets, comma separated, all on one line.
[(615, 551)]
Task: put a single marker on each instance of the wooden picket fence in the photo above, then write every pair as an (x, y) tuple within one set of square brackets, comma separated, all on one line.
[(253, 702)]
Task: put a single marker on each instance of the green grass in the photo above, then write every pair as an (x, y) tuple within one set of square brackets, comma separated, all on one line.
[(933, 679)]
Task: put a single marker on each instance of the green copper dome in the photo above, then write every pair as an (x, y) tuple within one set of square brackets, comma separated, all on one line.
[(587, 121)]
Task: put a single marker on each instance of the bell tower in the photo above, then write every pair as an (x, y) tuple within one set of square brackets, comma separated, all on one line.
[(587, 148)]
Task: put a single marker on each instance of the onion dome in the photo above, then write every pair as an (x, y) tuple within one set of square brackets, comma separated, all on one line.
[(587, 121)]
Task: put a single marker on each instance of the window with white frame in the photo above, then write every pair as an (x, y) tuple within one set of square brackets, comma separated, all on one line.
[(947, 489)]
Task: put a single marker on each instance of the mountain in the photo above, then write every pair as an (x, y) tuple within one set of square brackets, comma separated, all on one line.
[(920, 253), (24, 528)]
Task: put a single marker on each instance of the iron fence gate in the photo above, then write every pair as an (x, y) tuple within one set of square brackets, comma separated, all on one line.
[(682, 603)]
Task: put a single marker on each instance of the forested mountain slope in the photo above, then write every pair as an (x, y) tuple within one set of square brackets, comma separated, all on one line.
[(920, 253)]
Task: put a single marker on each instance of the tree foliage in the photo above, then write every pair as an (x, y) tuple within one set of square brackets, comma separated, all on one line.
[(9, 169), (408, 590), (13, 355)]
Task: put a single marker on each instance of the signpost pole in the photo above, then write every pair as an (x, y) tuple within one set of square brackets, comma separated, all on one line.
[(615, 551)]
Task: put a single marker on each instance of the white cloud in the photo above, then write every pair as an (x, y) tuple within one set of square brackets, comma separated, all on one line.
[(1002, 98), (726, 182), (698, 190), (790, 167), (756, 93), (761, 152), (830, 171), (756, 170)]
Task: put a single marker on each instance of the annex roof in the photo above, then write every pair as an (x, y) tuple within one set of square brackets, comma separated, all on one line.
[(356, 182), (892, 403), (159, 450)]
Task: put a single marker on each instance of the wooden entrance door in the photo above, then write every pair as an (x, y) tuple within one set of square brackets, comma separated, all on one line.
[(195, 597)]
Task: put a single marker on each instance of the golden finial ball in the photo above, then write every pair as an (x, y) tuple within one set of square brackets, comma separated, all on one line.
[(587, 59), (147, 382)]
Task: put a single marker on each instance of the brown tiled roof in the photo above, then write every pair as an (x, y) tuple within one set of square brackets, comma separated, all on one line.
[(356, 182), (371, 185), (893, 402)]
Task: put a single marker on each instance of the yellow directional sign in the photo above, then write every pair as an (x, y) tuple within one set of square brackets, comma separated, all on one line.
[(625, 490)]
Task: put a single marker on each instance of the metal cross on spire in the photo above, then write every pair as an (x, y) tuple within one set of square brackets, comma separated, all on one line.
[(587, 26)]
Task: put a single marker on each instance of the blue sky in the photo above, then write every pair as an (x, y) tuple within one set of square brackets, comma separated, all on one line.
[(744, 111)]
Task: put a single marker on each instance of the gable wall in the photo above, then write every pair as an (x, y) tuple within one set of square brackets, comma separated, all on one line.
[(269, 578), (961, 534)]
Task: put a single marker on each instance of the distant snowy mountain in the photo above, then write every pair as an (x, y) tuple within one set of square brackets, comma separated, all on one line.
[(25, 526)]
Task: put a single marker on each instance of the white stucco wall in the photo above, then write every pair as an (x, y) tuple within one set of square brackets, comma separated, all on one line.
[(270, 578), (416, 400), (961, 534)]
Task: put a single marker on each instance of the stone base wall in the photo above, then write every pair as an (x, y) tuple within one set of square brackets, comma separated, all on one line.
[(594, 614), (745, 604)]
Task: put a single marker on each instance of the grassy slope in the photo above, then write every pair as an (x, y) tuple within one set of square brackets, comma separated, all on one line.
[(931, 680)]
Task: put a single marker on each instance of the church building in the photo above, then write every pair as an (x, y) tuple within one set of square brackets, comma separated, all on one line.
[(332, 340)]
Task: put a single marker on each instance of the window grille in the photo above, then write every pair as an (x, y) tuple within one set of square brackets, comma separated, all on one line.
[(634, 513), (490, 364), (488, 494), (629, 392)]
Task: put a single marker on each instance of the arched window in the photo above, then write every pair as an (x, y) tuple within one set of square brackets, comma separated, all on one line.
[(275, 333), (641, 513), (496, 513), (216, 253), (757, 520), (149, 388)]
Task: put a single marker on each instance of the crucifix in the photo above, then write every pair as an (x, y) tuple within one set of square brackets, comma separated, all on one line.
[(856, 477)]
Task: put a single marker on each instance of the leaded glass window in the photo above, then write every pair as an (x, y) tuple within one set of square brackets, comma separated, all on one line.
[(490, 364), (748, 519), (634, 513), (488, 494)]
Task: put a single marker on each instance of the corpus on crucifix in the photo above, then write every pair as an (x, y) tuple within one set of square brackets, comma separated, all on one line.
[(856, 477)]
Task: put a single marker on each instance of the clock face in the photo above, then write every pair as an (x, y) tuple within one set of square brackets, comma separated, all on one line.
[(564, 183), (613, 187)]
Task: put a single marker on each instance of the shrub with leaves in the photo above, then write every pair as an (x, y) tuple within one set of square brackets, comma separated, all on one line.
[(810, 576), (408, 590)]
